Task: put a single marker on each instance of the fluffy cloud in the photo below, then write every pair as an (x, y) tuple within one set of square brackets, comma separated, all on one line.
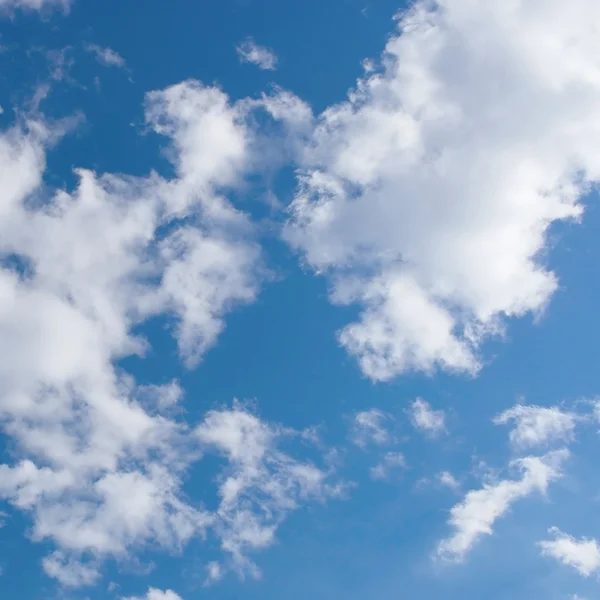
[(446, 479), (427, 196), (250, 52), (99, 460), (425, 419), (479, 510), (537, 425), (391, 461), (583, 554), (370, 427)]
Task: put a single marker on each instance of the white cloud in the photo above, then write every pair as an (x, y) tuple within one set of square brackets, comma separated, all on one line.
[(159, 397), (537, 425), (390, 462), (156, 594), (106, 56), (425, 419), (583, 554), (427, 196), (99, 461), (214, 573), (34, 4), (448, 480), (370, 427), (68, 572), (475, 516), (261, 485), (250, 52)]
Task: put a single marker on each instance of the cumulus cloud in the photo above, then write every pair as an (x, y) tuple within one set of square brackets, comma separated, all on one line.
[(370, 427), (106, 56), (476, 514), (427, 196), (250, 52), (583, 554), (98, 460), (537, 425), (425, 419)]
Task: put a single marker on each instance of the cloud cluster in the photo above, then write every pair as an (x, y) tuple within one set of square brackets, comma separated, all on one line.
[(98, 461), (427, 196), (156, 594)]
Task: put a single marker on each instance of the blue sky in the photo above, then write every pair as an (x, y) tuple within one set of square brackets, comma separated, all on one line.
[(299, 299)]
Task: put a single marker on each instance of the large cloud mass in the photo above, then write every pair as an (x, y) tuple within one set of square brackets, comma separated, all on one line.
[(427, 196)]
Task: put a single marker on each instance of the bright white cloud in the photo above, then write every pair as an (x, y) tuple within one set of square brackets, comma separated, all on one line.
[(475, 516), (106, 56), (425, 419), (250, 52), (537, 425), (370, 427), (583, 554), (427, 196)]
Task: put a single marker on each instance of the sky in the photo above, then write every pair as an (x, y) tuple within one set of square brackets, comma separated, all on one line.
[(299, 299)]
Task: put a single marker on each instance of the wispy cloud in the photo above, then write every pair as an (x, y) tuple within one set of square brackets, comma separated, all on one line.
[(475, 516), (106, 56), (391, 461), (250, 52), (425, 419), (538, 425), (38, 5), (99, 461), (370, 427)]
